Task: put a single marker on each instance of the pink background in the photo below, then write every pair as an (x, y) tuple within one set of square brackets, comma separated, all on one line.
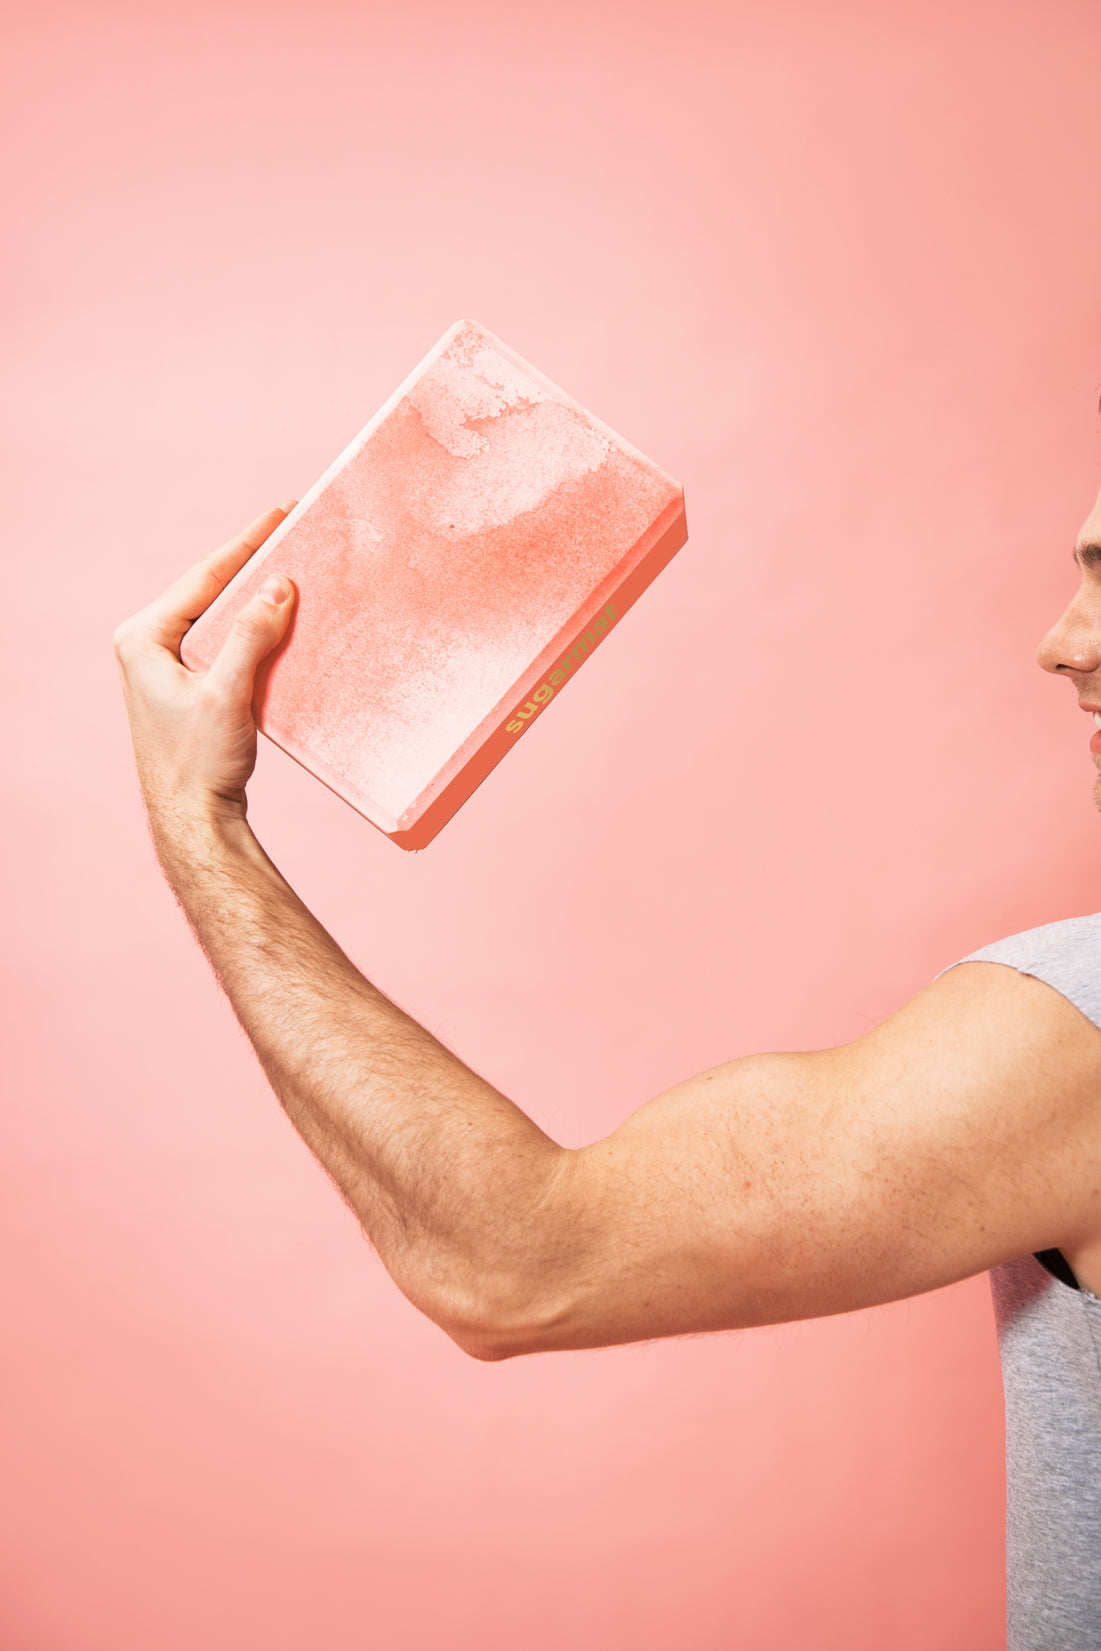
[(836, 268)]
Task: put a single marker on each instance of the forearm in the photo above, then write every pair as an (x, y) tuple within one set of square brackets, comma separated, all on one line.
[(453, 1184)]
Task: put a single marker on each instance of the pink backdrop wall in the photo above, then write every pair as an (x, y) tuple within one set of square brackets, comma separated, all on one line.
[(836, 268)]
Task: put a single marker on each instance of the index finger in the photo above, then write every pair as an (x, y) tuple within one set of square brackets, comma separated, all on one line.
[(173, 612)]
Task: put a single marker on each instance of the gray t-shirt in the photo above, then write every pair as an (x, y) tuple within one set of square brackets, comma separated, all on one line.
[(1049, 1339)]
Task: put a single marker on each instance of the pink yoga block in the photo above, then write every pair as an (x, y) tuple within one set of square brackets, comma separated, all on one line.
[(455, 566)]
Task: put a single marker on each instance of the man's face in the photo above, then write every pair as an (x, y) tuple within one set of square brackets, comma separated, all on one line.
[(1072, 647)]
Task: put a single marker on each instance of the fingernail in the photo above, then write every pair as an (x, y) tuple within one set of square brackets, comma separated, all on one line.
[(288, 507), (275, 590)]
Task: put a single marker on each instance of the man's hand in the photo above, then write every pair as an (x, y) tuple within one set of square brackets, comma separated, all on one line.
[(194, 733)]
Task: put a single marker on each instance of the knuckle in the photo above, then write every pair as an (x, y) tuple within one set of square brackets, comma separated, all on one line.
[(249, 623), (123, 638)]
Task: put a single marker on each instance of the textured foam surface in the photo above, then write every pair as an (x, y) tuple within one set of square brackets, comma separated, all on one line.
[(455, 565)]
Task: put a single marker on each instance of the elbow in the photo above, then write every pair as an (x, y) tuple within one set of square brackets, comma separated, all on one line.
[(494, 1313), (513, 1291), (493, 1326), (487, 1349)]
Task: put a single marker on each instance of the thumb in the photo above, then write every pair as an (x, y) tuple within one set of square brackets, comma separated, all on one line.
[(257, 629)]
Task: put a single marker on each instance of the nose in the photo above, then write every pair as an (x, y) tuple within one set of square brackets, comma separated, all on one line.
[(1073, 644)]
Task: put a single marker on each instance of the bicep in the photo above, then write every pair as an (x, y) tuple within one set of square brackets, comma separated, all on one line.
[(960, 1133)]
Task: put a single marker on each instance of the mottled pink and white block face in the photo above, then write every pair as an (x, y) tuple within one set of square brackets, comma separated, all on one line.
[(460, 537)]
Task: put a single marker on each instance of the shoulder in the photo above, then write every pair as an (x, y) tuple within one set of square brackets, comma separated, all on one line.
[(1065, 954), (991, 1078)]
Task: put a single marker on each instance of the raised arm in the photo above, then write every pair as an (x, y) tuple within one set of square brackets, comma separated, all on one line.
[(958, 1134)]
